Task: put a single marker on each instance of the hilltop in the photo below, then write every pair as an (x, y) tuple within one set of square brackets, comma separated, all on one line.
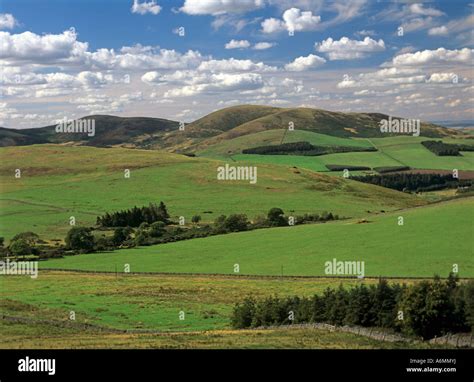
[(218, 126)]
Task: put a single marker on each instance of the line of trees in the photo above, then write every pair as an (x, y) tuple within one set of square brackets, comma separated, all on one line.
[(446, 149), (414, 182), (135, 216), (303, 148), (426, 308), (342, 167), (385, 169), (80, 240)]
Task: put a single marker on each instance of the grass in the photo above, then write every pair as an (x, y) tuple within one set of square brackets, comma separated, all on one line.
[(154, 303), (410, 152), (143, 302), (233, 146), (392, 151), (431, 240), (59, 182), (22, 336)]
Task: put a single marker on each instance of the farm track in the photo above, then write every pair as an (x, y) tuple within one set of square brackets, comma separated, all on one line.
[(384, 153), (52, 206)]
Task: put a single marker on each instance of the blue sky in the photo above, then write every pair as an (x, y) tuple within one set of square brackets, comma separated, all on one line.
[(73, 58)]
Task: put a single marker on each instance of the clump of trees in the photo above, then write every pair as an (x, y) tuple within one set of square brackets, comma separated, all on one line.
[(231, 223), (446, 149), (27, 246), (342, 167), (161, 230), (303, 148), (276, 218), (80, 239), (425, 309), (414, 181), (385, 169), (135, 216)]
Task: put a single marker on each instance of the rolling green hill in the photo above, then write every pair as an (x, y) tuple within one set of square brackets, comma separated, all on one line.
[(221, 125), (62, 181), (274, 137), (338, 124), (392, 151), (109, 131), (432, 239)]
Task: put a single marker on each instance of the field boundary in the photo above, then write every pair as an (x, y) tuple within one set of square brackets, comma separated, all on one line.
[(457, 340), (243, 276)]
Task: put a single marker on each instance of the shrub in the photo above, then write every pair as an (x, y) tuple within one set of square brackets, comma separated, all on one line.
[(121, 235), (30, 237), (20, 248), (275, 217), (157, 229), (80, 239)]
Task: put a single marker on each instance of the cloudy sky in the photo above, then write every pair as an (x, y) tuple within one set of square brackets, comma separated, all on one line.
[(183, 59)]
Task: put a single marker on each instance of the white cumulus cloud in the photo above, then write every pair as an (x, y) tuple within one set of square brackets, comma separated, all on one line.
[(237, 44), (145, 7), (304, 63), (220, 7), (347, 49), (7, 21), (263, 45), (440, 55), (294, 20)]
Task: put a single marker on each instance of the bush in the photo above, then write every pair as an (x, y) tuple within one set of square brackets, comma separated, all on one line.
[(243, 314), (104, 244), (275, 217), (80, 239), (140, 239), (236, 222), (121, 235), (20, 248), (30, 237), (157, 229), (468, 296)]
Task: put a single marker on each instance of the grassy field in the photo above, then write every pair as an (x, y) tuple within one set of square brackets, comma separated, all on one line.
[(21, 336), (431, 240), (62, 181), (144, 302), (274, 137), (392, 151), (410, 152), (58, 182), (154, 303)]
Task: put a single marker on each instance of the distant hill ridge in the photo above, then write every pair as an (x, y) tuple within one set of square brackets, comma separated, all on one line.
[(224, 124)]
